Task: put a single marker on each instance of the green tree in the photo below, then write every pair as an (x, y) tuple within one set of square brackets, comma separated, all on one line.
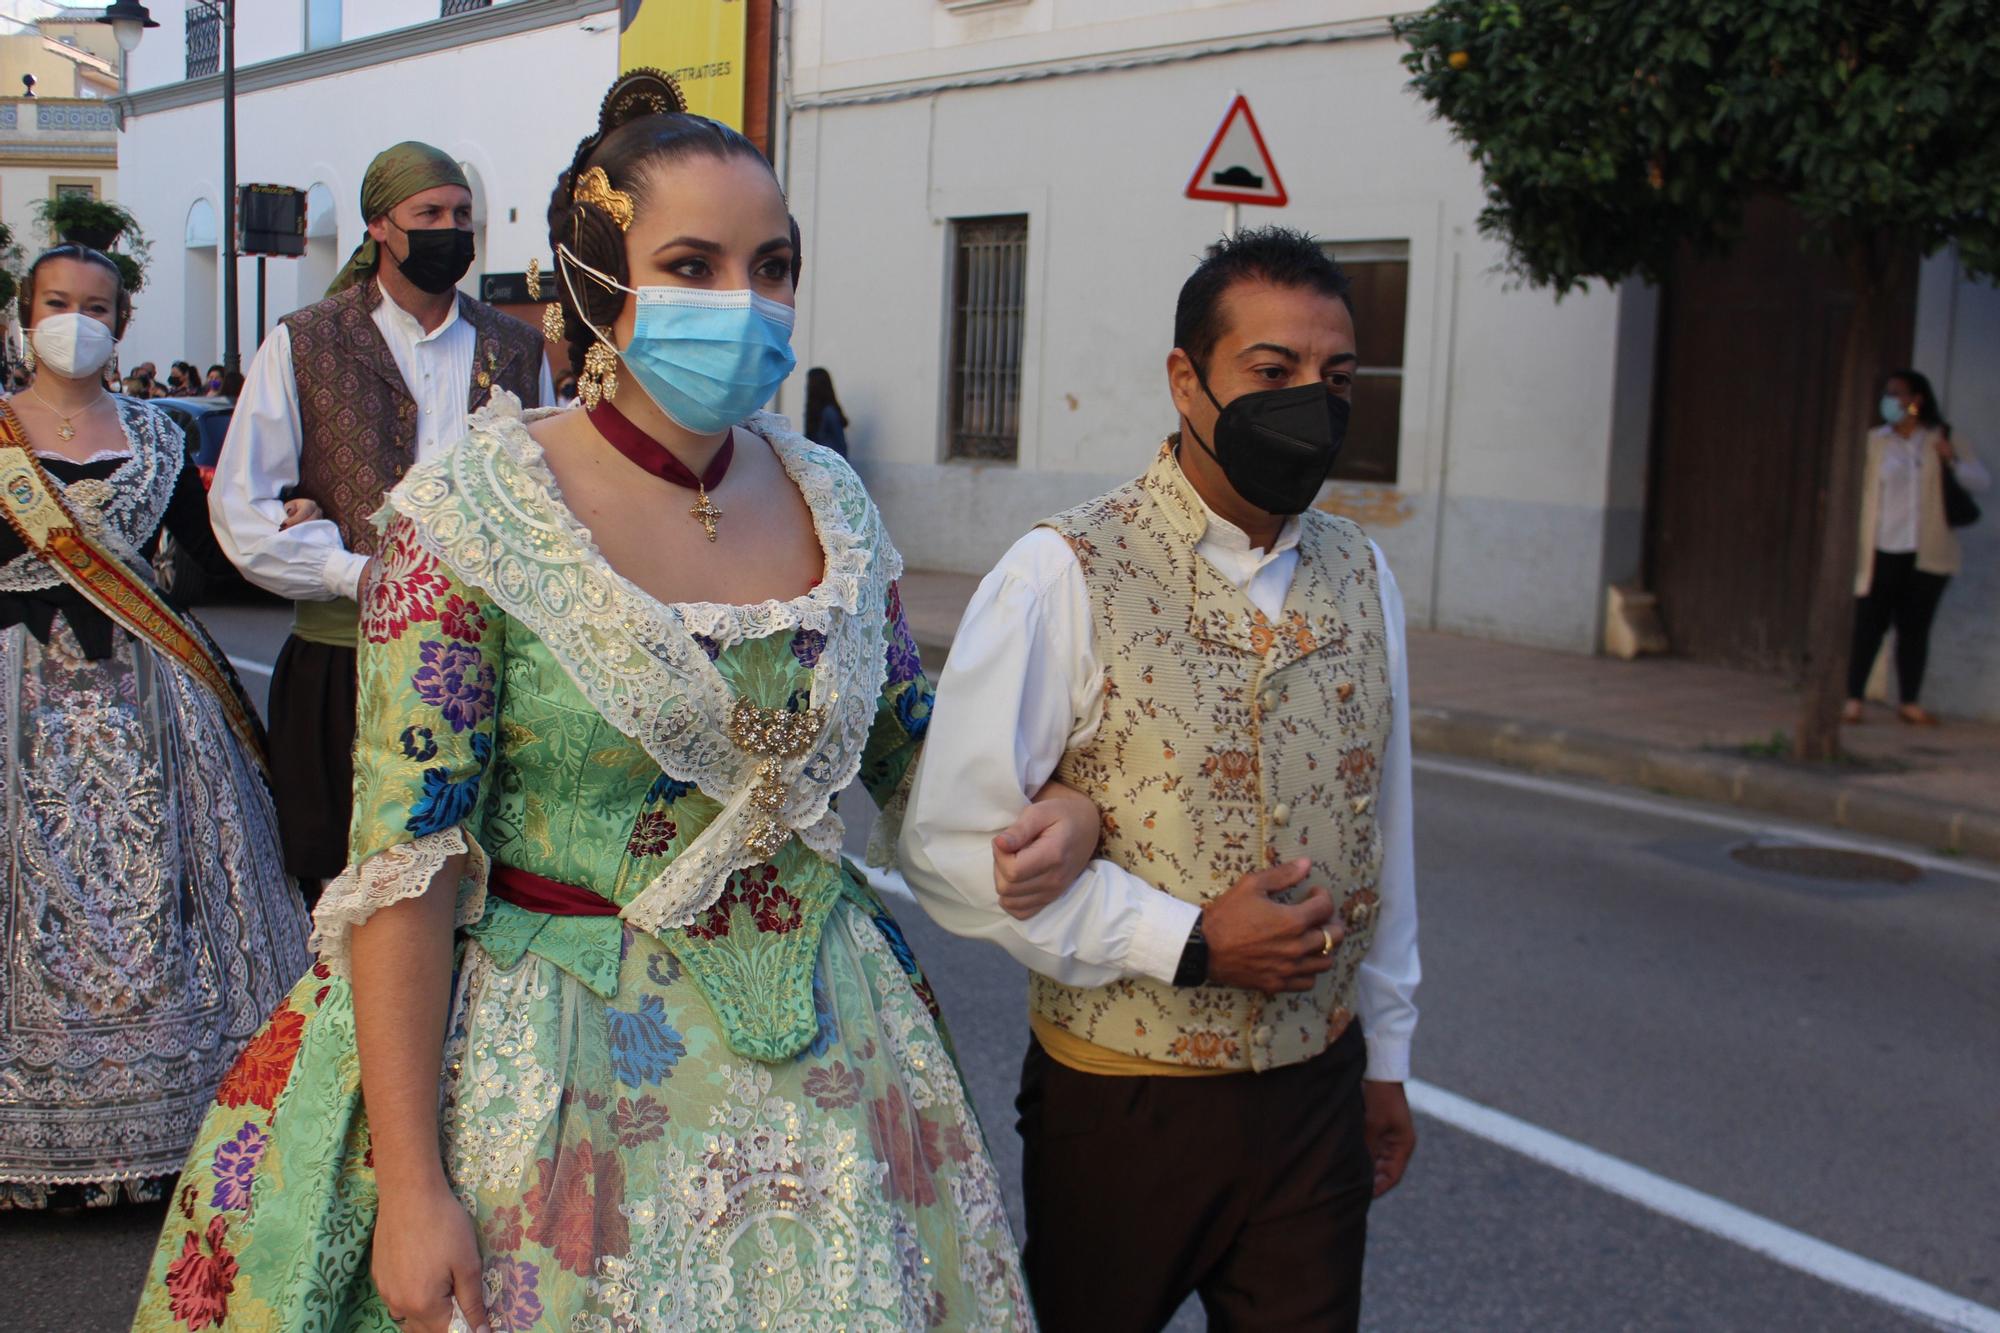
[(1611, 133)]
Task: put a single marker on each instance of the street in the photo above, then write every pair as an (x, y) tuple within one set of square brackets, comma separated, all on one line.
[(1817, 1053)]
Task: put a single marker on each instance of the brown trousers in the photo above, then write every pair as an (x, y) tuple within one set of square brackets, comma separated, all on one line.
[(1249, 1189)]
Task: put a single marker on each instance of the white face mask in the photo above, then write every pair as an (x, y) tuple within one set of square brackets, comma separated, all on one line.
[(72, 345)]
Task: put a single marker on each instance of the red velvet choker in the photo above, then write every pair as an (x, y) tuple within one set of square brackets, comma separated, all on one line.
[(657, 459)]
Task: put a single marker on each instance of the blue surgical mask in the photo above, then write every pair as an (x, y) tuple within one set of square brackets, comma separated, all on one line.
[(708, 359), (1892, 408)]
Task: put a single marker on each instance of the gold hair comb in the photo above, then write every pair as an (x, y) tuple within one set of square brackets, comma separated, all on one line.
[(594, 187)]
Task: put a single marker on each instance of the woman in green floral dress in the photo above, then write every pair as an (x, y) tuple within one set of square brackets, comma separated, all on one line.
[(675, 1068)]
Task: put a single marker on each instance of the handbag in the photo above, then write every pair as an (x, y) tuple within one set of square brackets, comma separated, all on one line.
[(1960, 509)]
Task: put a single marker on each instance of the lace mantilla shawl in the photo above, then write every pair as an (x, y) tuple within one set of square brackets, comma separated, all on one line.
[(490, 509), (124, 510)]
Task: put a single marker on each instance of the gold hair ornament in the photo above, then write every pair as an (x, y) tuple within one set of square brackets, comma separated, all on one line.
[(594, 187)]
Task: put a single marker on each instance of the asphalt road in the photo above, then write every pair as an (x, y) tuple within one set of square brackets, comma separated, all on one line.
[(1821, 1054)]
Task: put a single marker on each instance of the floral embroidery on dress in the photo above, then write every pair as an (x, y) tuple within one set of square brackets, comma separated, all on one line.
[(419, 743), (462, 619), (807, 645), (511, 1303), (638, 1120), (235, 1166), (260, 1072), (573, 1206), (446, 802), (644, 1046), (404, 592), (653, 833), (455, 680), (198, 1284)]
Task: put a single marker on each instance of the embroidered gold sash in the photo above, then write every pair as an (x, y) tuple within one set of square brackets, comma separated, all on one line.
[(34, 508)]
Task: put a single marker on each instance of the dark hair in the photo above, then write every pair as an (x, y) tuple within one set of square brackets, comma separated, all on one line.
[(215, 369), (819, 397), (1277, 255), (1929, 411), (122, 305), (630, 154)]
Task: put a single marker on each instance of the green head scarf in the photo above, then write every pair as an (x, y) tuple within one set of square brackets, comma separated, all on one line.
[(395, 174)]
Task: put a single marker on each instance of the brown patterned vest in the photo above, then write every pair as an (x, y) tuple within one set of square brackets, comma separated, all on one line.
[(357, 420), (1229, 742)]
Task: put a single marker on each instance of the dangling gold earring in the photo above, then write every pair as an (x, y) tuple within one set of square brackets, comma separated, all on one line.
[(552, 322), (535, 279), (599, 380)]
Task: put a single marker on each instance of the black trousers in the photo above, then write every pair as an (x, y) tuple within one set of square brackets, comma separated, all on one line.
[(1906, 597), (1249, 1189), (312, 758)]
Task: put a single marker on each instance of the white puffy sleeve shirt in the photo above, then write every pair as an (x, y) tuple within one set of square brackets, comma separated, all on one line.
[(1022, 686), (260, 456)]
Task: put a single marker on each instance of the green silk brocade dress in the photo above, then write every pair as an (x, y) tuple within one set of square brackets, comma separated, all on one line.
[(730, 1106)]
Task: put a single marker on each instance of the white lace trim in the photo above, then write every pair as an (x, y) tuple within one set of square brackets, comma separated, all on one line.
[(394, 875), (491, 510), (123, 510)]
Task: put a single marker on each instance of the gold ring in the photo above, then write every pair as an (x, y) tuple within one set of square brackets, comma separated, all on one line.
[(1327, 947)]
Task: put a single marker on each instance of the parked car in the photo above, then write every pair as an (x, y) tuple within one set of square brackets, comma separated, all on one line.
[(205, 421)]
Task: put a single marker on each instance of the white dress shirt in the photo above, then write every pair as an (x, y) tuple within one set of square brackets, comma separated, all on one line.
[(1896, 522), (1022, 686), (260, 457)]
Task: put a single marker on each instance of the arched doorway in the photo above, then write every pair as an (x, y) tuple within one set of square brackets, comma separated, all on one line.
[(322, 257), (200, 274)]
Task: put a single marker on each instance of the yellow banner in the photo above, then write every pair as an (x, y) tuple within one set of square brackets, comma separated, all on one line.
[(699, 42)]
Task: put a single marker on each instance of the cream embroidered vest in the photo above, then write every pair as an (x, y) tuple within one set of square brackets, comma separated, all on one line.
[(1230, 742)]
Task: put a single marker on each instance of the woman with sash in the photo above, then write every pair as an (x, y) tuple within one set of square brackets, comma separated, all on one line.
[(605, 1034), (149, 924)]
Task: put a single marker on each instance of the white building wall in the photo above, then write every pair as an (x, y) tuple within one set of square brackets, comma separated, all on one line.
[(325, 131), (1958, 339), (1498, 523)]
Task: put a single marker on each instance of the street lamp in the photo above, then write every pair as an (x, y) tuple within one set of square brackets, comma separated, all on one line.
[(129, 21)]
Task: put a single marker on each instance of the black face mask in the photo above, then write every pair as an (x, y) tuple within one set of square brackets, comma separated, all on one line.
[(438, 258), (1276, 446)]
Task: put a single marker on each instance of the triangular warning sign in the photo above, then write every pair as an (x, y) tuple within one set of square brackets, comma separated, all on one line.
[(1237, 168)]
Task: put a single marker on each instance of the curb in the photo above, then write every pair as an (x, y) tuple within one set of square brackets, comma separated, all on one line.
[(1698, 775)]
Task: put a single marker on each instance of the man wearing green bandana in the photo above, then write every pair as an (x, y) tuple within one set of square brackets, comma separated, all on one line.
[(341, 400)]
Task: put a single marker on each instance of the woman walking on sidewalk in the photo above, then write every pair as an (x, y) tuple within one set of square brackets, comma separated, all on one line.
[(1908, 549), (148, 921)]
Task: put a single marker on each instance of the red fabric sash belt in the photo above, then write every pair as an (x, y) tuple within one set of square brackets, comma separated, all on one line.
[(528, 890)]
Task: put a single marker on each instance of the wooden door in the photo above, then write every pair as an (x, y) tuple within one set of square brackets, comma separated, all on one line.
[(1749, 346)]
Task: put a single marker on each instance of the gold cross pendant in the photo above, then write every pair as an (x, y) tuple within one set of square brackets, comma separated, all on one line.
[(705, 512)]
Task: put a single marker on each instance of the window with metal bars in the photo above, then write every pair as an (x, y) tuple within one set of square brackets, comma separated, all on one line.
[(989, 262), (1380, 274), (204, 42), (464, 6)]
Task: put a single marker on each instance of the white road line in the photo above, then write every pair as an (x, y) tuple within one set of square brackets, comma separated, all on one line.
[(249, 668), (1793, 1249), (1673, 808)]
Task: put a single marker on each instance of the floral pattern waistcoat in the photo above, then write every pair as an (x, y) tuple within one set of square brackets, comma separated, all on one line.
[(578, 729), (1230, 742)]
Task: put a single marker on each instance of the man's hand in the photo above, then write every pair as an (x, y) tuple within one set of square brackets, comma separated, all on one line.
[(369, 573), (299, 511), (1038, 856), (1260, 945), (1390, 1131)]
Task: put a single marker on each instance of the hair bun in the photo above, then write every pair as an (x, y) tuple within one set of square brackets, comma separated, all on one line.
[(639, 92)]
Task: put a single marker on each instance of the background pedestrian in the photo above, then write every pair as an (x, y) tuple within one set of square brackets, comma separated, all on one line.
[(824, 423), (1908, 549)]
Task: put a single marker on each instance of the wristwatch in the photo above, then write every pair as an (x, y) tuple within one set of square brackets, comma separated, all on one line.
[(1193, 969)]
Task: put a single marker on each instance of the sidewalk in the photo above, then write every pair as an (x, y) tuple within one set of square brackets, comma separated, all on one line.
[(1675, 727)]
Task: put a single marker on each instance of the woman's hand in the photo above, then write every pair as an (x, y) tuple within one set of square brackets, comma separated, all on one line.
[(426, 1256), (300, 511), (1945, 451), (1039, 856)]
